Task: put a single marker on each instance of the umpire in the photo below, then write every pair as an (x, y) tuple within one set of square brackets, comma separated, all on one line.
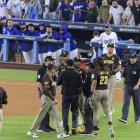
[(44, 126), (131, 88), (71, 86)]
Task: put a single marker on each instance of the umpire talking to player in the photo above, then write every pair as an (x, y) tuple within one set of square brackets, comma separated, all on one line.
[(71, 86), (44, 126), (131, 89)]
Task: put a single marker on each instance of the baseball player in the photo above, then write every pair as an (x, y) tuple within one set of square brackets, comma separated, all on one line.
[(48, 104), (108, 37), (100, 96), (3, 100), (25, 46), (111, 60), (42, 45), (11, 30)]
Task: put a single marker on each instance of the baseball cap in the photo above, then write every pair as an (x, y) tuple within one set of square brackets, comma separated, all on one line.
[(70, 62), (64, 54), (41, 24), (49, 58), (50, 67), (110, 45), (22, 23), (133, 56), (91, 65), (77, 59), (31, 25), (3, 17), (107, 25)]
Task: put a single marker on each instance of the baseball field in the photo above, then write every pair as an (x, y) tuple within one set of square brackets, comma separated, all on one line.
[(24, 105)]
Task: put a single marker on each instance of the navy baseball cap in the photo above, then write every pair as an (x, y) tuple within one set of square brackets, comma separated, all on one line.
[(3, 17), (133, 56), (22, 23), (107, 25), (41, 24), (49, 58)]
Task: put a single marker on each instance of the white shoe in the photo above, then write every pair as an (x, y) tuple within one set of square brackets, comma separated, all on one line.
[(32, 134), (112, 134), (62, 135)]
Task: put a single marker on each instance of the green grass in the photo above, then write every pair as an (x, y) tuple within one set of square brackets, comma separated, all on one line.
[(15, 128), (10, 74)]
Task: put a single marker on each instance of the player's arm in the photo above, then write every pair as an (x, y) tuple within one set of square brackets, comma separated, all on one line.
[(94, 82), (39, 80), (138, 83)]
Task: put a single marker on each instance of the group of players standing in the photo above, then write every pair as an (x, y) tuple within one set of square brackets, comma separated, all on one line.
[(82, 89)]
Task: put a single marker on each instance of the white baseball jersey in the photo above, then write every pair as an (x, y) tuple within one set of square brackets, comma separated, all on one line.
[(106, 39), (3, 11)]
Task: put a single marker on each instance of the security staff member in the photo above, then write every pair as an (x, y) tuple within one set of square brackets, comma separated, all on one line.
[(44, 126), (111, 60), (131, 88), (100, 96), (88, 107), (71, 86)]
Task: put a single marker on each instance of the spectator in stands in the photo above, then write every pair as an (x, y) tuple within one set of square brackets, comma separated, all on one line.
[(25, 46), (92, 13), (13, 7), (104, 12), (50, 9), (109, 2), (12, 30), (64, 34), (65, 11), (25, 7), (54, 49), (115, 12), (80, 9), (3, 10), (35, 10), (127, 13), (42, 45), (123, 3), (135, 10)]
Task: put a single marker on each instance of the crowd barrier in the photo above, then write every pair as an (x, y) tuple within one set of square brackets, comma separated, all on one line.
[(81, 26), (6, 38)]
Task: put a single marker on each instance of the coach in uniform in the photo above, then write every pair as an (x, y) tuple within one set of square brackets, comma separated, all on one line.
[(131, 89), (111, 60), (71, 87), (44, 126), (100, 96)]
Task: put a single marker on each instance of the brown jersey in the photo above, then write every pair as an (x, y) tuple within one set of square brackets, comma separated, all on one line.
[(48, 86), (111, 62), (102, 79)]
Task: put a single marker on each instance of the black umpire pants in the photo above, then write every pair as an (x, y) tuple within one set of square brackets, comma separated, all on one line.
[(67, 102)]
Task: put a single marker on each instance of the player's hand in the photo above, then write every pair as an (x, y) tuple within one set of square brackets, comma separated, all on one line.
[(136, 87), (55, 102)]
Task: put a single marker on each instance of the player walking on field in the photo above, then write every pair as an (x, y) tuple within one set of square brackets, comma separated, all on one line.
[(100, 96), (111, 61)]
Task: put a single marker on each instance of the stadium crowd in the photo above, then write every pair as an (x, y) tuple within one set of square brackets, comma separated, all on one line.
[(118, 12)]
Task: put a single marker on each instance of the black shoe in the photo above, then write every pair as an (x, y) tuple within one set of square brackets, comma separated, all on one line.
[(50, 129), (123, 120), (84, 133), (73, 130)]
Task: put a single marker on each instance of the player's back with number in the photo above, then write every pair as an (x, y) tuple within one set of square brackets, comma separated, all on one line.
[(102, 79)]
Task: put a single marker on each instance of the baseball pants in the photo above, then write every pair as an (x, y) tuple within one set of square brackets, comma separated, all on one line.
[(1, 118), (128, 93), (101, 97), (111, 86), (47, 105), (28, 56)]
